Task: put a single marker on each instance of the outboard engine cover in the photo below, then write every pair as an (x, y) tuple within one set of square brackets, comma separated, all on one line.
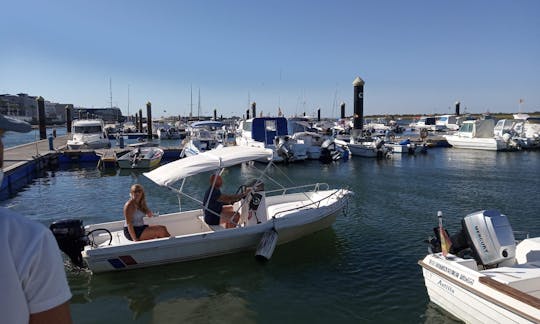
[(490, 236), (71, 238)]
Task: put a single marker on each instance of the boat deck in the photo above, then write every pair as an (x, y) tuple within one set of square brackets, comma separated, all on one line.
[(525, 278)]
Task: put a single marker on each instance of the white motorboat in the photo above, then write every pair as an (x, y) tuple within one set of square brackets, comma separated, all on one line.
[(371, 148), (313, 142), (202, 136), (267, 218), (485, 277), (141, 157), (88, 134), (479, 135), (168, 132), (526, 131), (271, 133), (406, 146)]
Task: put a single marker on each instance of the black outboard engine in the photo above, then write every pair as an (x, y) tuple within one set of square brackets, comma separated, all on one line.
[(485, 236), (71, 238)]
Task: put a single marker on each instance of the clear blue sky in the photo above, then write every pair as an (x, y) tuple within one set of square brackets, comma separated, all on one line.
[(415, 56)]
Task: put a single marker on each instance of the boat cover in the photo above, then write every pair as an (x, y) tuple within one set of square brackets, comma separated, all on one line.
[(207, 123), (170, 173)]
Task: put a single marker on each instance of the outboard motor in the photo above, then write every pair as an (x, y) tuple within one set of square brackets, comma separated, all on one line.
[(71, 238), (485, 235), (283, 148)]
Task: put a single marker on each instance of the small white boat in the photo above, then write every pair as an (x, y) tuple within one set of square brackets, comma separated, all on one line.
[(202, 136), (168, 132), (141, 157), (486, 277), (370, 148), (479, 135), (88, 134), (267, 218)]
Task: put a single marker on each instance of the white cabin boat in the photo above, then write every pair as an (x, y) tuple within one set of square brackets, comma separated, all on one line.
[(202, 136), (486, 277), (267, 218), (271, 133), (88, 134), (479, 135)]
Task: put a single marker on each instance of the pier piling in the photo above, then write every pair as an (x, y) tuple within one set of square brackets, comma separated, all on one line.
[(342, 110), (41, 118), (69, 118), (149, 119), (457, 108), (254, 109), (358, 120)]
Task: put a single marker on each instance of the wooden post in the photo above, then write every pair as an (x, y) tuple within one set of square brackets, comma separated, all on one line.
[(41, 118), (342, 110), (139, 126), (69, 118), (149, 119)]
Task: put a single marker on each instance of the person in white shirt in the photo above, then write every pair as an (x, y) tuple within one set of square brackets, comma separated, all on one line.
[(33, 284)]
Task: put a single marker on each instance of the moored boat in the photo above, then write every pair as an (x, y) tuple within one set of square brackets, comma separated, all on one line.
[(88, 134), (479, 135), (278, 216), (141, 157), (484, 276)]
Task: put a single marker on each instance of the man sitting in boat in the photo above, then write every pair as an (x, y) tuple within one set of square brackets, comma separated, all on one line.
[(134, 211), (218, 206)]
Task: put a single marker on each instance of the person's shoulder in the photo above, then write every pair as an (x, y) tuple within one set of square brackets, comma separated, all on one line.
[(10, 218)]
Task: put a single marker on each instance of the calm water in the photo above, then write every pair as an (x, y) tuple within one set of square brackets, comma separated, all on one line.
[(361, 270)]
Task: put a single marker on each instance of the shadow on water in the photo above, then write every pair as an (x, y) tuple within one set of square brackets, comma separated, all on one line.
[(202, 290)]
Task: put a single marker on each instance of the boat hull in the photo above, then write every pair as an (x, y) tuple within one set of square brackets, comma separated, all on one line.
[(490, 144), (461, 290), (198, 240)]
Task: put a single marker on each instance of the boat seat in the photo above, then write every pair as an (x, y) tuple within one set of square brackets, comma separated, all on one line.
[(214, 228), (118, 238), (525, 277), (285, 208)]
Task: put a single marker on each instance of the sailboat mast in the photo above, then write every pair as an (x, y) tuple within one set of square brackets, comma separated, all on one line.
[(199, 105), (128, 102), (110, 90), (190, 100)]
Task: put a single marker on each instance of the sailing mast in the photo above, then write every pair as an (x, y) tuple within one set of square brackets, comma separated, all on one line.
[(190, 101), (199, 106)]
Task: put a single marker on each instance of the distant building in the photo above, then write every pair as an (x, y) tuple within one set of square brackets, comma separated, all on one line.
[(24, 107), (109, 115)]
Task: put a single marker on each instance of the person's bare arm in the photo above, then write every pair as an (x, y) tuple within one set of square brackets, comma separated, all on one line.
[(57, 315)]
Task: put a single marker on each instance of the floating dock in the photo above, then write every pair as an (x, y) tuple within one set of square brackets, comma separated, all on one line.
[(25, 162)]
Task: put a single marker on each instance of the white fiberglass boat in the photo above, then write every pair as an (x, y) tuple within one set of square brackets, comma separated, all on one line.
[(479, 135), (141, 157), (88, 134), (485, 277), (267, 218)]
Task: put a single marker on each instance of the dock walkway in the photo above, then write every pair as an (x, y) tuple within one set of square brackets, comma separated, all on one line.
[(22, 154)]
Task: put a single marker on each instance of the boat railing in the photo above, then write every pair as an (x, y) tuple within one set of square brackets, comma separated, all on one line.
[(313, 204), (283, 191)]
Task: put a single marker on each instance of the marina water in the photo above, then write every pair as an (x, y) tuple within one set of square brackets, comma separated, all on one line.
[(361, 270)]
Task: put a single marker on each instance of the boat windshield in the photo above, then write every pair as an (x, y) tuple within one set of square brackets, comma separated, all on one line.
[(87, 129)]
